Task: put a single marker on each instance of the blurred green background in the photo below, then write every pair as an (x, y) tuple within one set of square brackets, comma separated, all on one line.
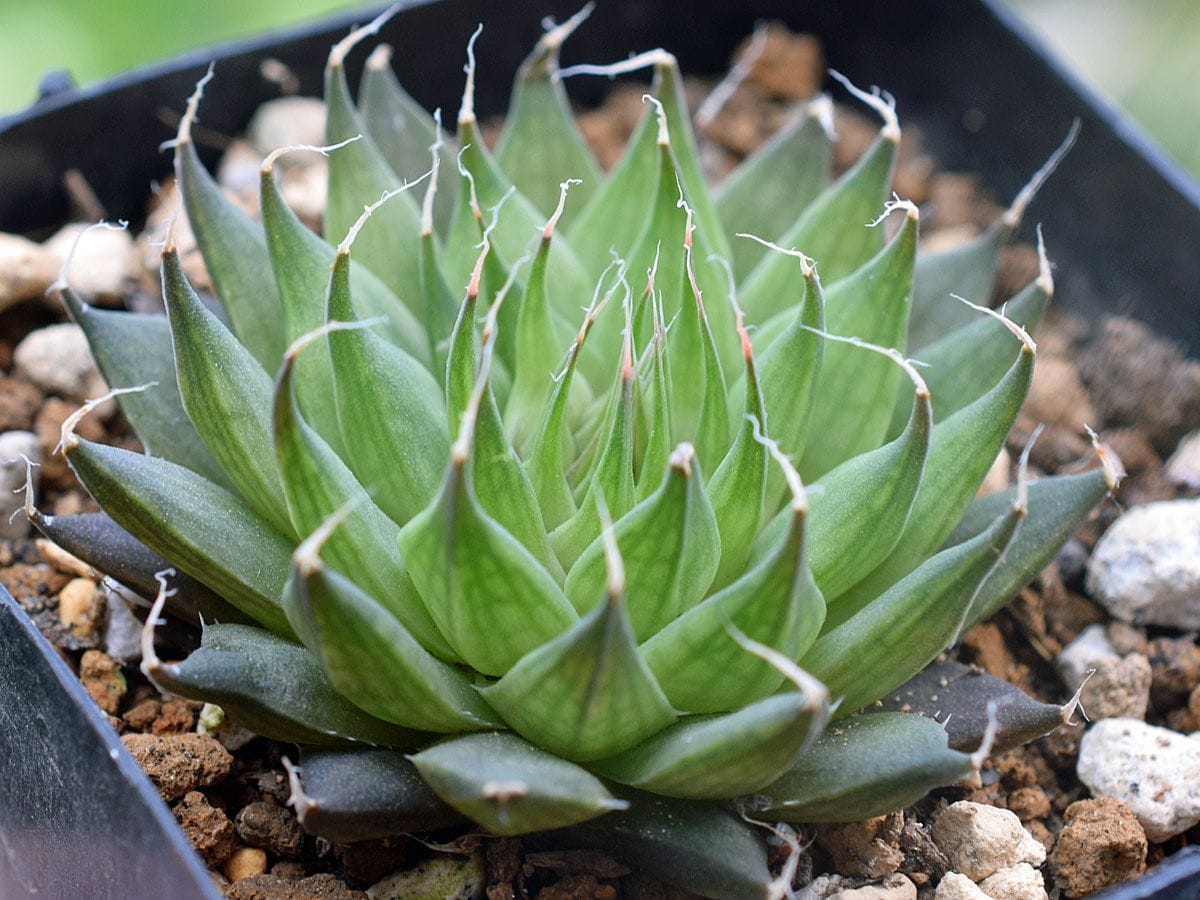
[(1142, 54)]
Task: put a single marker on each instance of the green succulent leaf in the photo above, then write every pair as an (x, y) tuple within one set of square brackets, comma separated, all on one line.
[(725, 755), (358, 175), (860, 510), (274, 688), (404, 132), (968, 270), (235, 254), (621, 198), (541, 145), (904, 629), (611, 482), (317, 484), (702, 668), (491, 599), (864, 766), (833, 230), (670, 545), (961, 450), (585, 694), (852, 405), (788, 370), (738, 489), (204, 529), (773, 186), (370, 658), (511, 787), (1057, 506), (964, 365), (133, 349), (226, 394), (390, 408)]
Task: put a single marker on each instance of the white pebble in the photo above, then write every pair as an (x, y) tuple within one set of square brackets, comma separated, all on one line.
[(979, 839), (956, 886), (1146, 567), (58, 360), (1154, 771), (1184, 465), (1019, 882), (103, 259)]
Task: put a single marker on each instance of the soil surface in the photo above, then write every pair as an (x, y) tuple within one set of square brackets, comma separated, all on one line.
[(229, 792)]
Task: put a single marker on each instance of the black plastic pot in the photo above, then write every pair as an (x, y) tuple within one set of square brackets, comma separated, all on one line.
[(76, 816)]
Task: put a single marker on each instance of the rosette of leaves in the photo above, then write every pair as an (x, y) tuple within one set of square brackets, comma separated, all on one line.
[(548, 498)]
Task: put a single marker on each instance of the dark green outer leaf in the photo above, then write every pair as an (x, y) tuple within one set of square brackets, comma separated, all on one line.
[(200, 527), (357, 795), (274, 688), (973, 707), (701, 847), (862, 767), (132, 349), (509, 786), (235, 254), (102, 543)]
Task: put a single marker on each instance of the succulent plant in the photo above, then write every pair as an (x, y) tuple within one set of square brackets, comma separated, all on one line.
[(563, 484)]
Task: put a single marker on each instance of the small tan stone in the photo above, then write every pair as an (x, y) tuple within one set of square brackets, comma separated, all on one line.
[(62, 561), (246, 862), (81, 606), (102, 678), (26, 270)]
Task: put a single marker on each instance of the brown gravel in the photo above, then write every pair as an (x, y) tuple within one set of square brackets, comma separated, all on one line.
[(266, 825), (206, 827), (273, 887), (102, 678), (868, 849), (179, 763), (1101, 843), (19, 402)]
